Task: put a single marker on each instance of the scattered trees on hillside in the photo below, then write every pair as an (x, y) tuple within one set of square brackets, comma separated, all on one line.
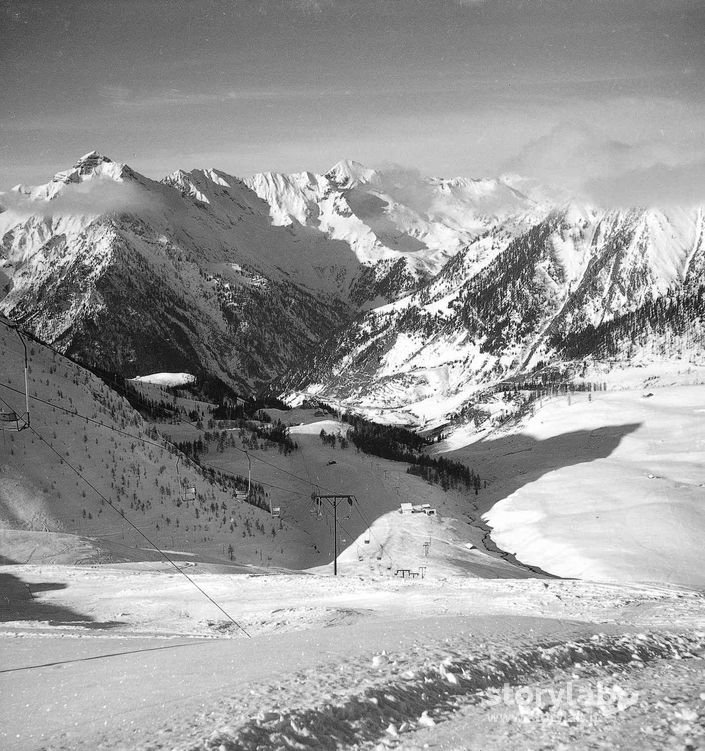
[(676, 315), (446, 473), (402, 445)]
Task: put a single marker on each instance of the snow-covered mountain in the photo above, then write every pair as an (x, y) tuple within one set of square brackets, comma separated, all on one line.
[(384, 290), (186, 274), (581, 285), (206, 272), (400, 225)]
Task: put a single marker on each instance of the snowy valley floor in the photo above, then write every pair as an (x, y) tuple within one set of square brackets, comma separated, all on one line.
[(133, 657)]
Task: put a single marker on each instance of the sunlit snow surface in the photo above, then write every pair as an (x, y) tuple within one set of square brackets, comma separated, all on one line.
[(637, 514), (167, 379)]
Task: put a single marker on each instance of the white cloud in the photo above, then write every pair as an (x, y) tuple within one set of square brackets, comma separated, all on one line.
[(658, 184), (119, 97), (592, 165), (91, 197)]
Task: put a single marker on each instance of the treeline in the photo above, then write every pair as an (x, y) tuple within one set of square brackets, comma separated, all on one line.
[(678, 314), (276, 432), (235, 407), (550, 387), (251, 433), (387, 441), (192, 449), (151, 408), (331, 439), (446, 473), (402, 445)]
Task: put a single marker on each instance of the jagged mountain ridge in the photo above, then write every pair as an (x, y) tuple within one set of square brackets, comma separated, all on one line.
[(581, 283), (198, 272), (396, 219), (380, 290), (136, 276)]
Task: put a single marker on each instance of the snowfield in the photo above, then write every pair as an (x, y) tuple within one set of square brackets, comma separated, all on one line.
[(166, 379), (132, 657), (636, 513)]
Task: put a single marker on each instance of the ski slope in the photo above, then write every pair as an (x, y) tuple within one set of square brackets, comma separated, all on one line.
[(634, 512), (132, 657)]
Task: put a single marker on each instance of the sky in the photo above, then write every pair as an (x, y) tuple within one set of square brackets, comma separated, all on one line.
[(594, 95)]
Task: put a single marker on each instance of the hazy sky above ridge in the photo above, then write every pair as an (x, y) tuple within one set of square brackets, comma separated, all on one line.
[(592, 94)]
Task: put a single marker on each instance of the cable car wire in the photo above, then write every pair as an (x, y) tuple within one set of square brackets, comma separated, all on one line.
[(136, 528)]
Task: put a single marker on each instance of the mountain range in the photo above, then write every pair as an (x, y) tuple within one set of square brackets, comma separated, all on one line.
[(400, 295)]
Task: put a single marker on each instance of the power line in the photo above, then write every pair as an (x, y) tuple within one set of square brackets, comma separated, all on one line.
[(259, 482), (103, 657), (259, 459), (117, 430), (148, 442), (138, 530), (165, 446), (102, 424), (202, 465)]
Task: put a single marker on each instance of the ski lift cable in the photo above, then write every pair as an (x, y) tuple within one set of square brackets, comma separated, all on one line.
[(148, 442), (11, 415), (263, 461), (74, 413), (97, 422), (165, 446), (139, 531), (254, 480), (371, 533), (303, 459)]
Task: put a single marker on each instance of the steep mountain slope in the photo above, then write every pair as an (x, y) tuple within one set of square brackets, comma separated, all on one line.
[(582, 282), (203, 271), (90, 466), (403, 227), (90, 479), (185, 275)]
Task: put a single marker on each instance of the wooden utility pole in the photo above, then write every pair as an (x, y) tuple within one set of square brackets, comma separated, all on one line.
[(334, 500)]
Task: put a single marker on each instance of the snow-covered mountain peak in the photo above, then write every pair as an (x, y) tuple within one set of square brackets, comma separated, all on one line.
[(218, 177), (485, 195), (92, 165), (189, 183), (348, 173), (576, 213), (91, 160)]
